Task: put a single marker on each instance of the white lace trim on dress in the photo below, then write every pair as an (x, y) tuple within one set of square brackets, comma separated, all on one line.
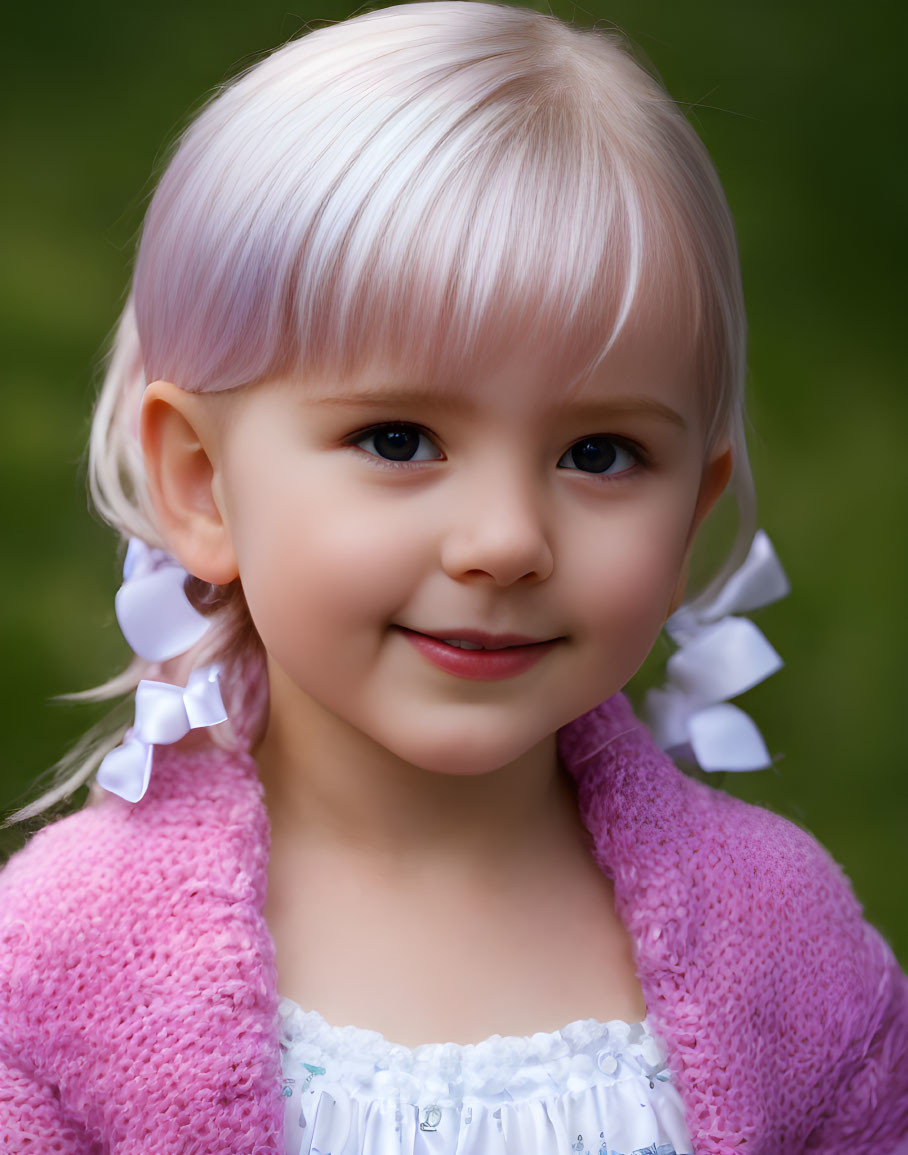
[(590, 1088)]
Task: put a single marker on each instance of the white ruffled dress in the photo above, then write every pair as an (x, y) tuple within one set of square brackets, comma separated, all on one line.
[(589, 1089)]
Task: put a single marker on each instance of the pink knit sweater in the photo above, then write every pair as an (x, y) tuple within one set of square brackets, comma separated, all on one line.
[(137, 977)]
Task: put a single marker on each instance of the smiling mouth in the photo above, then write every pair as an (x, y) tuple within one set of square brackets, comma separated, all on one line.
[(477, 656), (479, 640)]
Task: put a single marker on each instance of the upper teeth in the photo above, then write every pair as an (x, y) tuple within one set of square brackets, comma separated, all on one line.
[(461, 645)]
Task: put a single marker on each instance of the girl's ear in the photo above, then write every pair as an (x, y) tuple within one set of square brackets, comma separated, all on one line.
[(716, 475), (179, 435)]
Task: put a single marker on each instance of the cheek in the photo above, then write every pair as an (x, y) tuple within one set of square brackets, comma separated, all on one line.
[(318, 563), (628, 583)]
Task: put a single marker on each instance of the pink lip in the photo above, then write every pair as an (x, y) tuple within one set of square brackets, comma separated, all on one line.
[(505, 655)]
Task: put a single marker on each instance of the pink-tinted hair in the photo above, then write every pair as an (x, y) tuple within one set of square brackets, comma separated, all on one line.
[(426, 184)]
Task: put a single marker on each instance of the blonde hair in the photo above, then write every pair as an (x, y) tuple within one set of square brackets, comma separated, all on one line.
[(429, 183)]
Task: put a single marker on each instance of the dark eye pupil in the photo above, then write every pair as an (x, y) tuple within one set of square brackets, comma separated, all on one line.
[(397, 444), (595, 454)]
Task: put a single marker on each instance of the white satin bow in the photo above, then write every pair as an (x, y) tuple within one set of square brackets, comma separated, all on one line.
[(719, 657), (152, 608), (159, 622), (164, 714)]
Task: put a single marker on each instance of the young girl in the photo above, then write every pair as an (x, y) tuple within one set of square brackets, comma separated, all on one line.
[(431, 371)]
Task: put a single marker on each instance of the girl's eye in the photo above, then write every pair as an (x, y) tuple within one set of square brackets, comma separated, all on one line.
[(398, 443), (599, 455)]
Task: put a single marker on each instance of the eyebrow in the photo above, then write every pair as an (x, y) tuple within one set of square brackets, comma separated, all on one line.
[(396, 397), (594, 411), (627, 407)]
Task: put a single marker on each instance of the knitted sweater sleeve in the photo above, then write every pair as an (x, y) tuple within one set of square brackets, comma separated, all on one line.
[(137, 978), (840, 1028), (868, 1106), (31, 1117), (784, 1011)]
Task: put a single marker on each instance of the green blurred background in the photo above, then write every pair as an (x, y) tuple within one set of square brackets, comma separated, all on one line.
[(801, 109)]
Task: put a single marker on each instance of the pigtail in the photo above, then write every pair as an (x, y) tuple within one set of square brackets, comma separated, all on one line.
[(118, 491), (116, 475)]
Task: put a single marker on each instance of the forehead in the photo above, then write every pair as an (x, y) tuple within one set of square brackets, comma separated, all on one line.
[(649, 366)]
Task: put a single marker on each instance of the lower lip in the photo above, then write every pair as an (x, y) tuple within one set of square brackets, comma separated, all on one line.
[(478, 665)]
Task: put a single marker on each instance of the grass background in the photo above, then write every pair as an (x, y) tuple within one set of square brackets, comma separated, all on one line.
[(803, 112)]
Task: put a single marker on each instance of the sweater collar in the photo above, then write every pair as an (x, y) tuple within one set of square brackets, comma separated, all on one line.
[(627, 791)]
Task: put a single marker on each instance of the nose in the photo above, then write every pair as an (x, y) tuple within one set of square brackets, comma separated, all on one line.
[(499, 532)]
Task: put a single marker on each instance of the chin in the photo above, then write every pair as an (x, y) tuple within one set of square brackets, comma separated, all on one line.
[(468, 754)]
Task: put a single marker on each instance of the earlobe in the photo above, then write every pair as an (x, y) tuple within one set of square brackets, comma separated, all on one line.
[(178, 432)]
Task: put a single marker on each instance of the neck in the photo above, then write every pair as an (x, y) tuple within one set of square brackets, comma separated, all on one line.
[(330, 786)]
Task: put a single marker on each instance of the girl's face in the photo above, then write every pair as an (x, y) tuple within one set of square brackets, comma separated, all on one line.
[(372, 522)]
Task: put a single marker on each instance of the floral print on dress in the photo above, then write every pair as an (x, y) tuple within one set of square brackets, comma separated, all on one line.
[(579, 1148), (590, 1089)]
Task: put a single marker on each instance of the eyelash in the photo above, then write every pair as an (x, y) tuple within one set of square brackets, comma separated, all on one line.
[(386, 462), (623, 444)]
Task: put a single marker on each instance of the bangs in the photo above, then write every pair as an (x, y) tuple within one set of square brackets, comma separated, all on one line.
[(428, 205), (515, 246)]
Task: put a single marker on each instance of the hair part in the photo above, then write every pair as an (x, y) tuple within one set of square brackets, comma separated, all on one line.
[(428, 185)]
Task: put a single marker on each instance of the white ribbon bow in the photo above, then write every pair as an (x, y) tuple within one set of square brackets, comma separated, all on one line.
[(164, 714), (720, 657), (154, 613)]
